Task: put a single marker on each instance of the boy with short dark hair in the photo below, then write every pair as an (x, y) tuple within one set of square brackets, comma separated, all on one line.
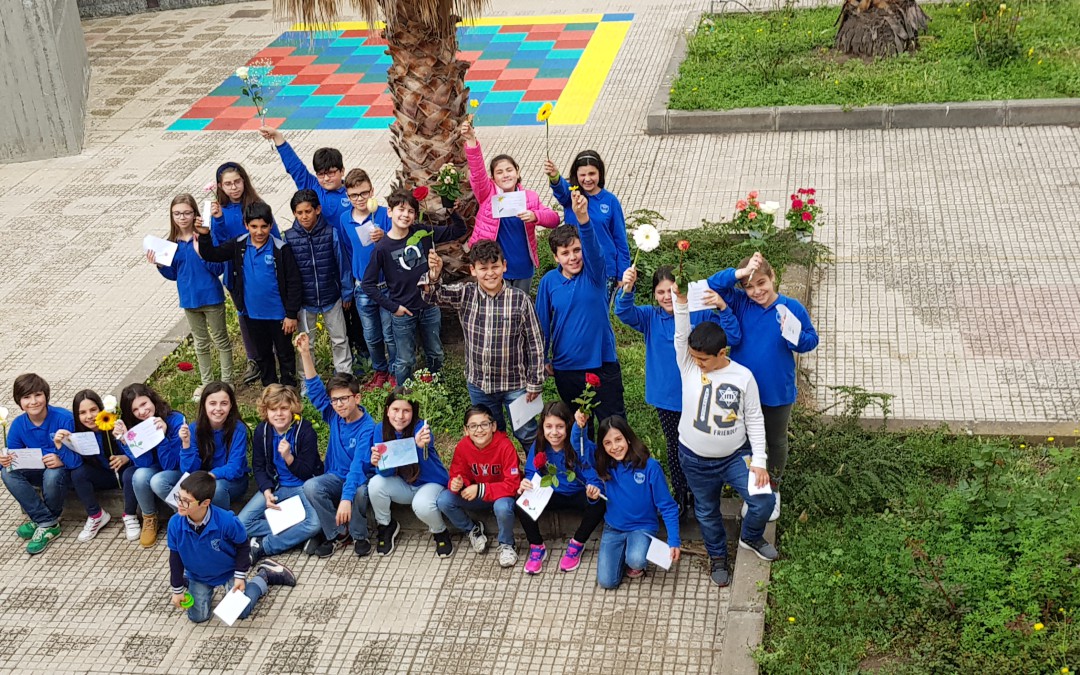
[(208, 547), (325, 274), (400, 261), (339, 496), (572, 305), (504, 347), (36, 428), (325, 180), (267, 289)]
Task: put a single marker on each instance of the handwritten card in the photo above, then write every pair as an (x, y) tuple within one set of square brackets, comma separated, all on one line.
[(363, 232), (143, 437), (397, 453), (523, 411), (26, 459), (508, 204), (170, 498), (695, 295), (84, 442), (164, 250), (230, 607), (790, 326), (659, 553), (290, 512), (534, 501)]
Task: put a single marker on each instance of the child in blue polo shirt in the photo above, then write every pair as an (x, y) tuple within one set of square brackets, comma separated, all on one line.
[(221, 442), (201, 295), (36, 429), (340, 495), (327, 176), (208, 547)]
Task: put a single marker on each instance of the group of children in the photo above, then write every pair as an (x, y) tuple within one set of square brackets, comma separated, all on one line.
[(722, 382)]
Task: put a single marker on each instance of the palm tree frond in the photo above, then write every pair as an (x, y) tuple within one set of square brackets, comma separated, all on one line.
[(435, 15)]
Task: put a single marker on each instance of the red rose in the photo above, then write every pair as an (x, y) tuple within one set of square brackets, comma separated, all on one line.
[(811, 202), (796, 204), (185, 366), (420, 193), (381, 447), (811, 191), (793, 197), (592, 380), (807, 216), (540, 461), (752, 215), (684, 245)]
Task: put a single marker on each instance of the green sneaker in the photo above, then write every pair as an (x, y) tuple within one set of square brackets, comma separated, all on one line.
[(43, 536), (26, 530)]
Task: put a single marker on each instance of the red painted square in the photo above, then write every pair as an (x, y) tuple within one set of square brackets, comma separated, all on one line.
[(510, 85), (490, 64), (333, 89), (471, 57), (238, 112), (524, 28), (274, 52), (216, 101), (355, 33), (287, 70), (309, 79), (475, 75), (520, 74), (364, 99), (542, 95), (541, 36), (381, 110), (225, 124), (320, 69), (367, 89), (548, 84), (575, 43), (577, 35), (299, 60)]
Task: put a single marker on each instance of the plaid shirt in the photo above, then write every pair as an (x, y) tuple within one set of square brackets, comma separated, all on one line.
[(504, 348)]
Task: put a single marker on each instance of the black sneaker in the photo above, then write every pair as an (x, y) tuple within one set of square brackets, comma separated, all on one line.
[(256, 552), (312, 545), (276, 574), (719, 572), (252, 374), (324, 548), (761, 548), (444, 547), (387, 535), (362, 548)]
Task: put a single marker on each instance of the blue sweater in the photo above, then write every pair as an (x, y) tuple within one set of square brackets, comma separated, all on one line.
[(348, 440), (663, 384), (228, 228), (209, 556), (583, 468), (333, 202), (606, 215), (765, 351), (572, 311), (360, 255), (229, 463), (196, 280), (167, 453), (325, 270), (634, 497), (22, 433), (431, 467)]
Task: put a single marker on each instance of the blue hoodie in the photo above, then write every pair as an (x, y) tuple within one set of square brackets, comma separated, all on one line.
[(333, 202), (634, 497), (348, 440), (606, 215), (359, 254), (229, 463), (22, 433), (585, 473), (167, 453), (209, 556), (431, 466), (663, 385), (765, 351), (197, 281)]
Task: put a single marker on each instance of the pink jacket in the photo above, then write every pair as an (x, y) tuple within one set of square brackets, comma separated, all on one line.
[(487, 227)]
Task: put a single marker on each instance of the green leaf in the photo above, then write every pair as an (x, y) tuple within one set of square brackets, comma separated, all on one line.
[(245, 92), (571, 476), (554, 482), (551, 469), (545, 481)]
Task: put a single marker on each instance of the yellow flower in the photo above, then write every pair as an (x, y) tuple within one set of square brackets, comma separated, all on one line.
[(1002, 7), (296, 418), (1031, 52), (474, 103), (318, 324), (1038, 626), (105, 420), (1049, 439), (791, 619), (1022, 446), (544, 112), (1065, 670), (573, 188), (1039, 63)]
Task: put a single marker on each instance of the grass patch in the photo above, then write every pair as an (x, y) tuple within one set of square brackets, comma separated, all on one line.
[(785, 58)]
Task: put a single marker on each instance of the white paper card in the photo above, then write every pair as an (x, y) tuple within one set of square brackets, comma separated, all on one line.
[(790, 326), (508, 204), (207, 209), (523, 411), (397, 453), (228, 610), (363, 232), (164, 250), (534, 501), (170, 498), (695, 295), (26, 458), (659, 553), (84, 442), (291, 513), (753, 489), (143, 437)]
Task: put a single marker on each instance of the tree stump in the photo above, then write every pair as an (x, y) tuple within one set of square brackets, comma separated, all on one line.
[(879, 28)]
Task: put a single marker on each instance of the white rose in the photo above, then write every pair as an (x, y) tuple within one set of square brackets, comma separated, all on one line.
[(770, 208), (109, 403), (3, 414), (242, 72)]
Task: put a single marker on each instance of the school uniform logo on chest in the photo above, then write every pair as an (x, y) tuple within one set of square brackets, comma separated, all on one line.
[(486, 469), (345, 202), (639, 478), (410, 257), (605, 209), (215, 544), (269, 259)]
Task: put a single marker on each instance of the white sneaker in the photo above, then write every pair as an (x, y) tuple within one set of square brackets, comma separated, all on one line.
[(775, 509), (93, 526), (198, 394), (507, 555), (132, 527), (477, 538)]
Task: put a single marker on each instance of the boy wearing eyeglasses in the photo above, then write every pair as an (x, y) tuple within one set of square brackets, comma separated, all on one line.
[(326, 180)]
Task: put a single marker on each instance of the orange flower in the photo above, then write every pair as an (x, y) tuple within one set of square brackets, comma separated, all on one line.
[(684, 245)]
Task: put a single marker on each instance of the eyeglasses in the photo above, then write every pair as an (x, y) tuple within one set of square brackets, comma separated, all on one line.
[(327, 174), (341, 400), (479, 426), (183, 214), (186, 503), (360, 195)]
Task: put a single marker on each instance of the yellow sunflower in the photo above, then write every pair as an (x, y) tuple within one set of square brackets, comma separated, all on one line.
[(105, 420), (544, 112)]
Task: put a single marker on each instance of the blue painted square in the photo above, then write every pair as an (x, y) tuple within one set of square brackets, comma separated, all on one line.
[(349, 111), (304, 90), (321, 101), (336, 123), (618, 17), (308, 113), (191, 124), (537, 45), (480, 86), (512, 96), (564, 54), (373, 123)]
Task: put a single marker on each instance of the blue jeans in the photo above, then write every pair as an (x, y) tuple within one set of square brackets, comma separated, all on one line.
[(706, 478), (378, 331), (228, 491), (137, 487), (202, 594), (496, 401), (161, 484), (428, 323), (324, 494), (54, 486), (620, 548), (457, 509), (253, 516), (87, 479)]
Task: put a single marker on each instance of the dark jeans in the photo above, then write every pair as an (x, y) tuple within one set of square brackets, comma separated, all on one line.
[(43, 509), (609, 395), (89, 478), (591, 516), (245, 334), (776, 425), (270, 339), (428, 323)]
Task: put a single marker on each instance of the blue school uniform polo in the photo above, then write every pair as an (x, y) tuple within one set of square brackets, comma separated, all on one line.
[(262, 298)]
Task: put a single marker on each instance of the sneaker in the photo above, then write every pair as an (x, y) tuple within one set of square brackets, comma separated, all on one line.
[(196, 396), (719, 572), (252, 374), (634, 574), (320, 547), (43, 536), (387, 534), (132, 528), (775, 509), (572, 558), (535, 562), (444, 547), (507, 555), (26, 530), (93, 526), (276, 574), (256, 552), (477, 538), (149, 531), (362, 548), (761, 549)]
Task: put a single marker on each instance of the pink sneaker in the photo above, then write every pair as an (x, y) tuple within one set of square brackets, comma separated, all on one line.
[(572, 558), (633, 573), (535, 562)]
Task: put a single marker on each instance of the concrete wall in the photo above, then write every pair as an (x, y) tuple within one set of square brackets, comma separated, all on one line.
[(93, 8), (44, 77)]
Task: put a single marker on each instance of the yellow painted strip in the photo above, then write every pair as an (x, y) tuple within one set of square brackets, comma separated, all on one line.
[(583, 88), (484, 21)]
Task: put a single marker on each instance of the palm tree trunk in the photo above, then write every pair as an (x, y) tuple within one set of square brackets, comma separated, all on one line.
[(879, 28)]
